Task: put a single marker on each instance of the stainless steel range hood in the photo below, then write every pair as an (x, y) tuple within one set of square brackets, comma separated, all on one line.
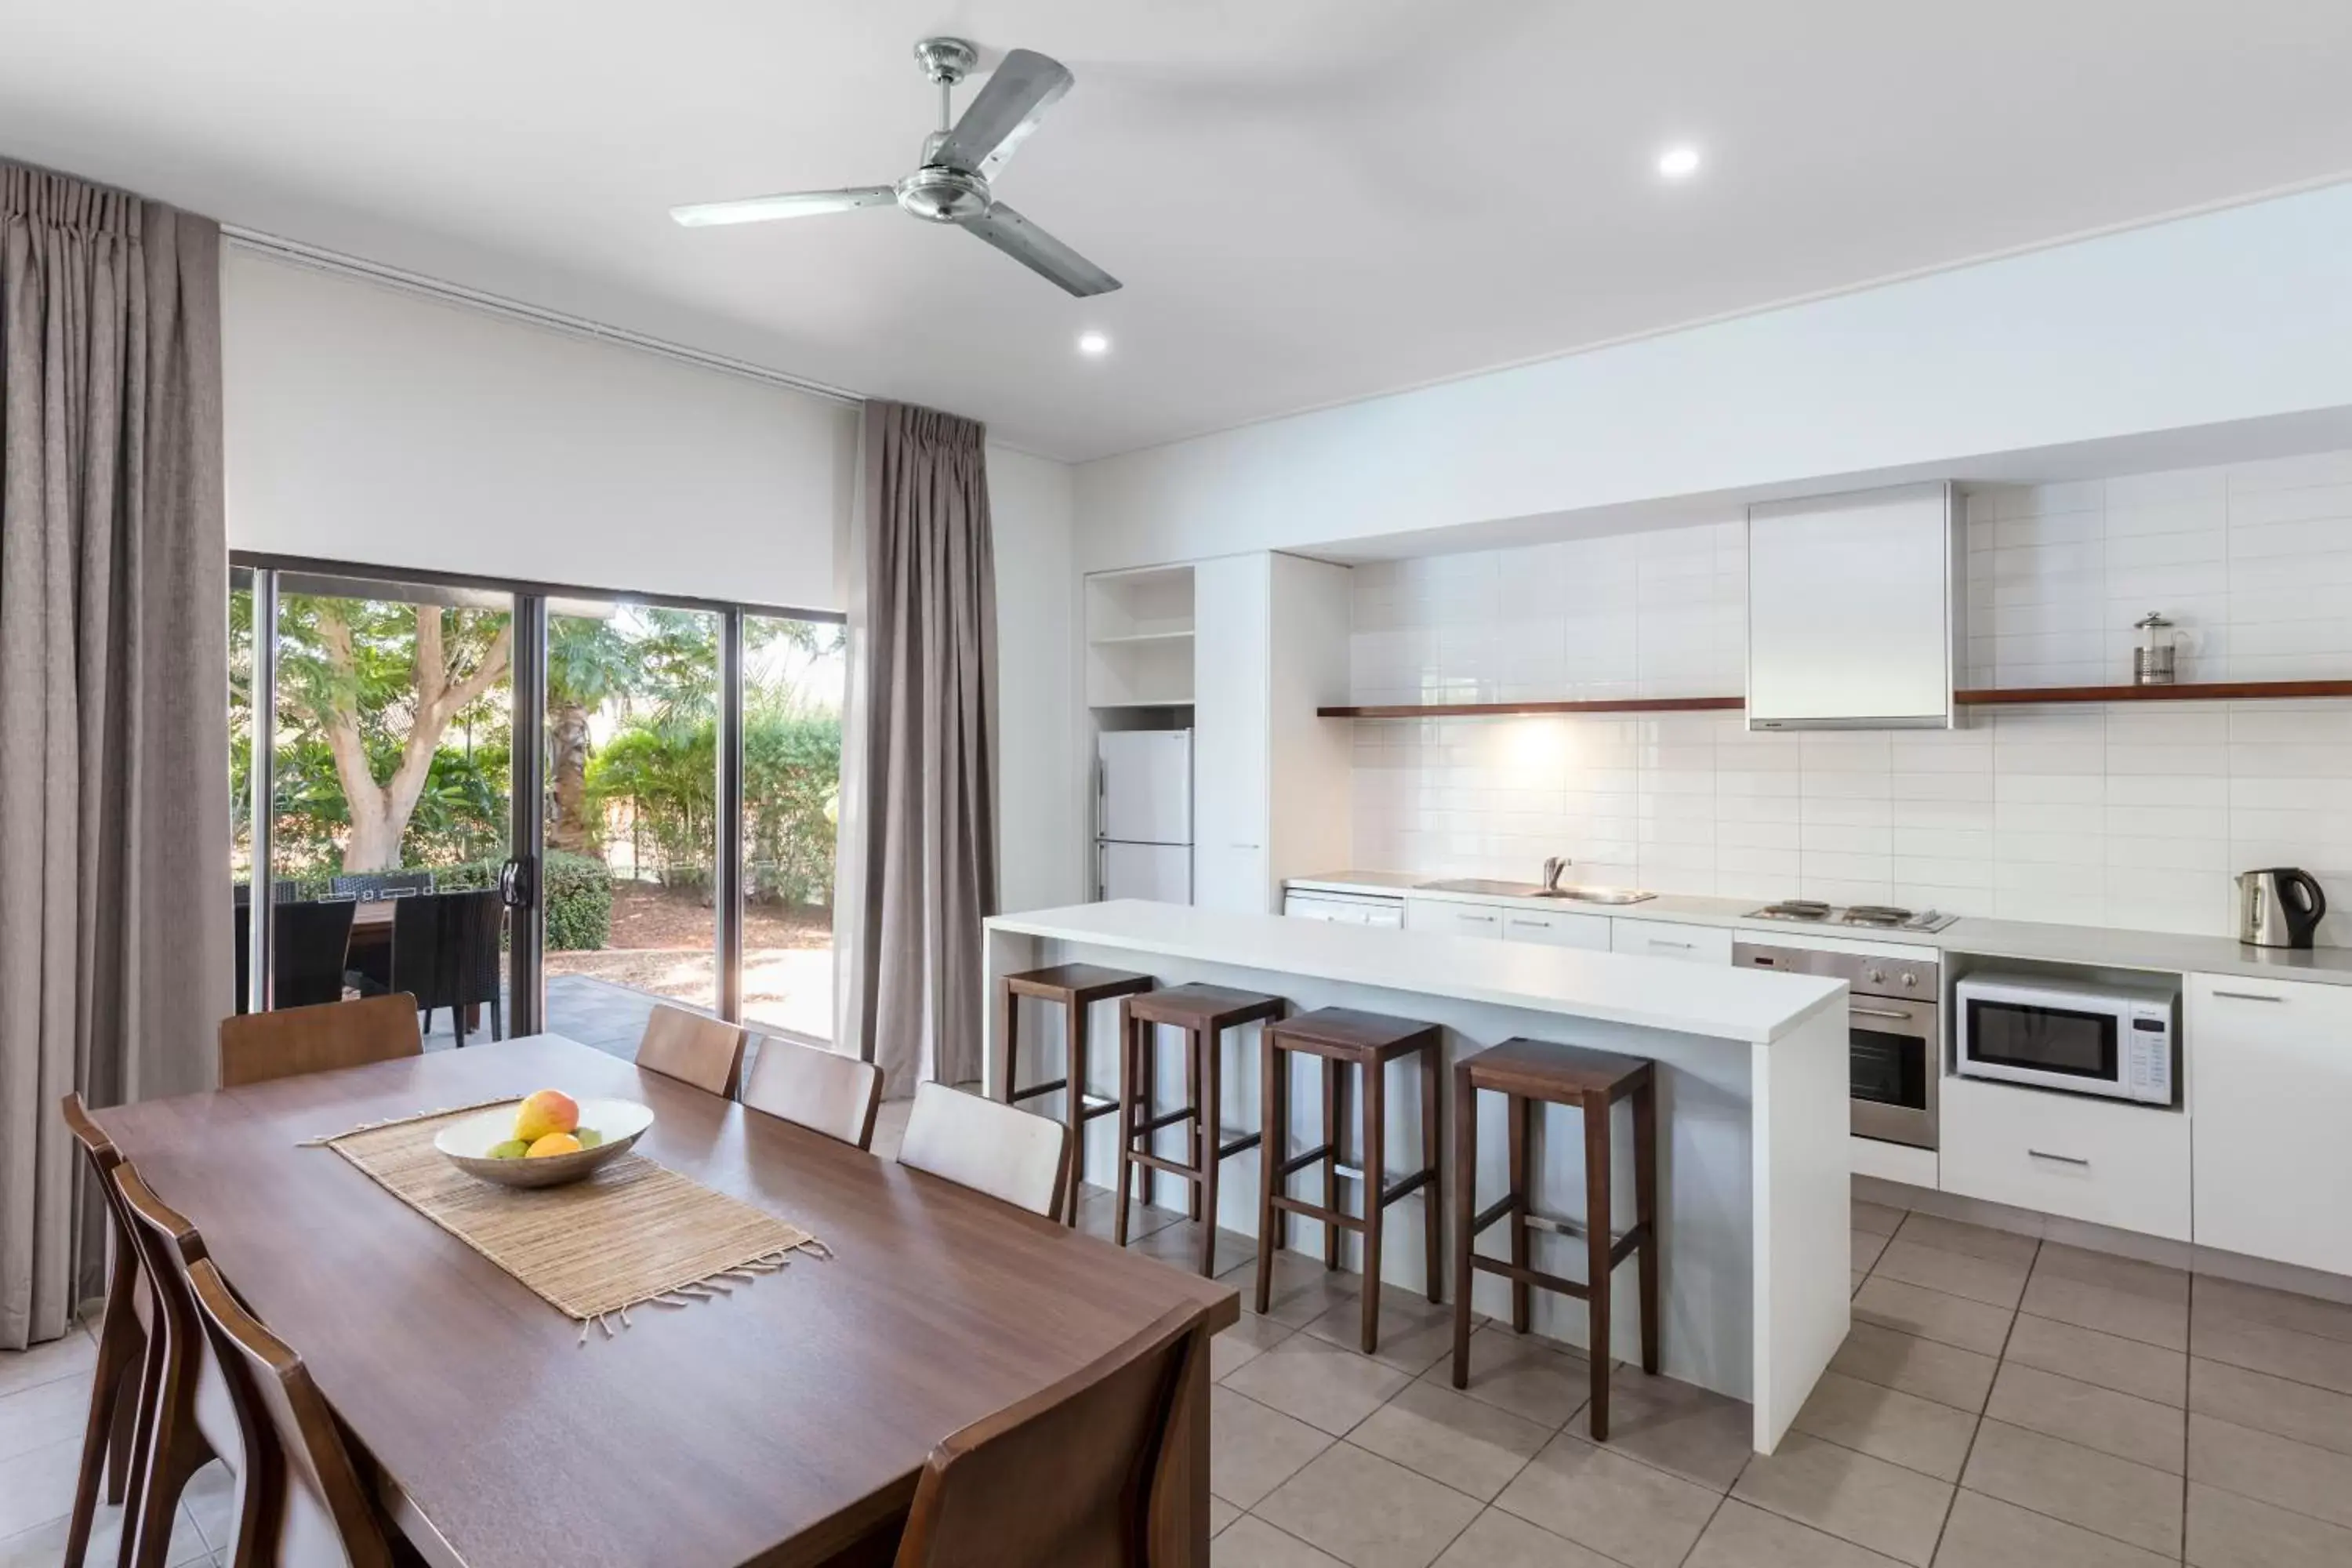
[(1855, 612)]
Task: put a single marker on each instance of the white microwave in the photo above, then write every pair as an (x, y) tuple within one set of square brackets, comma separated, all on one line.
[(2115, 1040)]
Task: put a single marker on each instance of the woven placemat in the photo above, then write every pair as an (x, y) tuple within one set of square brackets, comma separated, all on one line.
[(634, 1232)]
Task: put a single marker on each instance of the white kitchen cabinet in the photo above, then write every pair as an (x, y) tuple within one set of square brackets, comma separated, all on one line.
[(1270, 780), (2107, 1161), (1671, 939), (2270, 1082), (1557, 928), (1453, 919)]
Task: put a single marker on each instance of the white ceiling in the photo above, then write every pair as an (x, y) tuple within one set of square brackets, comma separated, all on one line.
[(1309, 201)]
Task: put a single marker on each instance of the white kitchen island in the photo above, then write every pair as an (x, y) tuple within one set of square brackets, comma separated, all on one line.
[(1753, 1186)]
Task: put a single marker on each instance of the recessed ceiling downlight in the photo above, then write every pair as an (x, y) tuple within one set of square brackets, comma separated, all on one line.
[(1678, 163), (1093, 343)]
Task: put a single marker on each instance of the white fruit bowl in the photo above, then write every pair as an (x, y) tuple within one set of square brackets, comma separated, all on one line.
[(468, 1144)]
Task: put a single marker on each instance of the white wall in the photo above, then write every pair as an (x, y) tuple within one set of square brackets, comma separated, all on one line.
[(2236, 315), (373, 424), (2133, 815), (1041, 824)]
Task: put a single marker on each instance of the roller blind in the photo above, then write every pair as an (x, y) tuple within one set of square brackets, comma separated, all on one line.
[(368, 424)]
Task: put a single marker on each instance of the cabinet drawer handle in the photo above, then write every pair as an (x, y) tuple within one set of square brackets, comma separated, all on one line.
[(1661, 942), (2059, 1158), (2248, 996), (1523, 921), (1477, 919), (1879, 1013)]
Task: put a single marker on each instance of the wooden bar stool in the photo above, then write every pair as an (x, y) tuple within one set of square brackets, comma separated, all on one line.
[(1204, 1012), (1077, 986), (1529, 1073), (1344, 1038)]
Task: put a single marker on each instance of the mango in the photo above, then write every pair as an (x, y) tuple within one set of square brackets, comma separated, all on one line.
[(512, 1149), (549, 1111), (553, 1143)]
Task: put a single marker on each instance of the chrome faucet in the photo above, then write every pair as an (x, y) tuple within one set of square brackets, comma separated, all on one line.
[(1552, 869)]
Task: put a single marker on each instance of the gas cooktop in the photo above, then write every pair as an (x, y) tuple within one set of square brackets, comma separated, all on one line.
[(1874, 916)]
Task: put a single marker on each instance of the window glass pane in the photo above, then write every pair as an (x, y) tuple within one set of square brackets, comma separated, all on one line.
[(240, 754), (794, 677), (632, 829)]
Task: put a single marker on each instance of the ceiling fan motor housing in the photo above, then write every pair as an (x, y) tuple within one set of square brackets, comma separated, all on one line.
[(943, 194)]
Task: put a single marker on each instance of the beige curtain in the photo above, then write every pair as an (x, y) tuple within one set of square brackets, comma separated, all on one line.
[(115, 962), (918, 867)]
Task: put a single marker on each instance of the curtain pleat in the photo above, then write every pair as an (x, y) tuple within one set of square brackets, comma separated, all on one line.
[(919, 866), (115, 962)]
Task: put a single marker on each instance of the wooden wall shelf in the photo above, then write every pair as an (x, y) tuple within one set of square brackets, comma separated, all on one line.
[(1507, 709), (2192, 691)]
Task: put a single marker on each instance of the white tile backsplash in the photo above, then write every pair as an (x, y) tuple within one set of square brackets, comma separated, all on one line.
[(2126, 815)]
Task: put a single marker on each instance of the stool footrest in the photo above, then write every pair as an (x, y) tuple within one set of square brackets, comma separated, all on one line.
[(1094, 1105), (1247, 1140), (1299, 1162), (1162, 1163), (1412, 1184), (1034, 1089), (1537, 1276), (1314, 1210), (1182, 1113), (1494, 1212)]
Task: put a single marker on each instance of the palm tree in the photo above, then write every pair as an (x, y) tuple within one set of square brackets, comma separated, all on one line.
[(589, 662)]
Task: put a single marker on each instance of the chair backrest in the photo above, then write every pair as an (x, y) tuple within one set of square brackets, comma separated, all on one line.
[(834, 1094), (257, 1046), (371, 885), (312, 1501), (993, 1148), (243, 916), (703, 1051), (98, 1150), (1070, 1475), (314, 941), (168, 1243), (445, 947)]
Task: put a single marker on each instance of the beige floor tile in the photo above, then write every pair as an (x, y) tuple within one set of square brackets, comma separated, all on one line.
[(1499, 1539), (1368, 1512), (37, 1487), (1868, 1245), (1098, 1214), (1251, 1542), (1252, 1449), (1971, 1240), (1699, 1435), (2127, 1367), (2276, 1469), (2124, 1312), (1986, 1532), (1178, 1245), (1934, 1315), (1247, 1340), (1744, 1537), (1619, 1507), (2280, 1308), (1221, 1514), (211, 1502), (2281, 1353), (2098, 1491), (1855, 1280), (1852, 1496), (1303, 1288), (1414, 1331), (1323, 1384), (2298, 1410), (2137, 1429), (1876, 1218), (2112, 1273), (44, 1414), (1528, 1375), (72, 1356), (1887, 1424), (2226, 1531), (1928, 1368), (44, 1545), (1997, 1282), (1469, 1444)]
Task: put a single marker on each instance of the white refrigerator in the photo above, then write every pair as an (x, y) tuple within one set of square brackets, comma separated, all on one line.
[(1143, 815)]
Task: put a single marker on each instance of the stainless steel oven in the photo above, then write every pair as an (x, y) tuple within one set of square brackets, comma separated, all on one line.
[(1895, 1051)]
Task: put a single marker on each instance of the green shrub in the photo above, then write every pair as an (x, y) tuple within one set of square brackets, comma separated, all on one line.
[(576, 888)]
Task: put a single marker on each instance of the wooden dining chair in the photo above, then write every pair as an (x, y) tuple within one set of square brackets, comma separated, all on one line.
[(189, 1417), (110, 1439), (257, 1046), (1103, 1434), (313, 944), (304, 1501), (1008, 1154), (693, 1048), (825, 1090)]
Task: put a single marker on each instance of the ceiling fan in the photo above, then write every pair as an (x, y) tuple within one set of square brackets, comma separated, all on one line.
[(958, 160)]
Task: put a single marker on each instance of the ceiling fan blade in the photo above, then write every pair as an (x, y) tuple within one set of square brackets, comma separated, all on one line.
[(1039, 251), (798, 204), (1016, 97)]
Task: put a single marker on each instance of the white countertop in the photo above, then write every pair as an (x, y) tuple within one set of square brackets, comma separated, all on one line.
[(2103, 946), (1645, 993)]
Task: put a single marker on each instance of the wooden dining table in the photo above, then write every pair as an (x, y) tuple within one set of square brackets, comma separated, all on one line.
[(785, 1423)]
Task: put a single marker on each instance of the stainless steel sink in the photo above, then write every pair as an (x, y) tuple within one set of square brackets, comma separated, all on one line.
[(1484, 885), (1595, 895)]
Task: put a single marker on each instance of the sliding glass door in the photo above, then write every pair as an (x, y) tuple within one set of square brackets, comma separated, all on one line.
[(794, 677)]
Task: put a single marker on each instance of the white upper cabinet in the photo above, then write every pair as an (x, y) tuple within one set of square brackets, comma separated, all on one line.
[(2270, 1088), (1854, 618)]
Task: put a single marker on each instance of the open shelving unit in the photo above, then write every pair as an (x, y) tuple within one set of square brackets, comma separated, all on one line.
[(2193, 691), (1139, 639)]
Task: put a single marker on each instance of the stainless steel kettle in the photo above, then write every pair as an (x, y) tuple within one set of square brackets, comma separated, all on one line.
[(2278, 908)]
